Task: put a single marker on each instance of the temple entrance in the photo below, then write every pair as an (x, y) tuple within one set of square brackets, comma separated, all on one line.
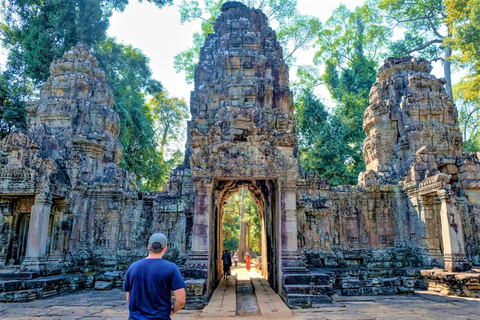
[(263, 193), (241, 225), (19, 243)]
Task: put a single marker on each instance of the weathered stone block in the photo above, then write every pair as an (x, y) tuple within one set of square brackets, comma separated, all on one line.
[(351, 292), (405, 290), (352, 284), (195, 287), (104, 285), (408, 282), (387, 290), (369, 291), (390, 282)]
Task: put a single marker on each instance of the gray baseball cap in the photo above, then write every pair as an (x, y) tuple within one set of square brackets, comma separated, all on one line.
[(157, 240)]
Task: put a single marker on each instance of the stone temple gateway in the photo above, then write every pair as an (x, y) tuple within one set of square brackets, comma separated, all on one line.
[(68, 212)]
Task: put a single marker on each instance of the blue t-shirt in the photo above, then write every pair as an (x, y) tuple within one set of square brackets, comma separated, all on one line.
[(150, 283)]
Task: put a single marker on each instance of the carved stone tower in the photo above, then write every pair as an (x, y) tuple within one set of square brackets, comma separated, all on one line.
[(413, 138), (242, 134)]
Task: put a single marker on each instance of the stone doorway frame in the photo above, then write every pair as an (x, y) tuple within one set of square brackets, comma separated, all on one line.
[(22, 229), (266, 195)]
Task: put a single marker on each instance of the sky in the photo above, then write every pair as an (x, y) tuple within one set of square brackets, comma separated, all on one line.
[(160, 36)]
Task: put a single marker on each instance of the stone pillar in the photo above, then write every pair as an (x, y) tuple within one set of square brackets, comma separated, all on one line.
[(452, 233), (56, 255), (6, 209), (289, 218), (371, 223), (431, 234), (37, 234), (290, 258), (199, 255)]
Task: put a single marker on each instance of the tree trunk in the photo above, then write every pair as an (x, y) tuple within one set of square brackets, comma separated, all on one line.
[(242, 239), (248, 236), (447, 67), (447, 70)]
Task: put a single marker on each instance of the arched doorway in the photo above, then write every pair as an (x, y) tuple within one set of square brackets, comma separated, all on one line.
[(265, 195)]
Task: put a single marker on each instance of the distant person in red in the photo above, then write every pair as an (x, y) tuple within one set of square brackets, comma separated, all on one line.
[(248, 259)]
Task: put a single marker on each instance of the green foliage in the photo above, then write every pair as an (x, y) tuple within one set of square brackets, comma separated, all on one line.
[(349, 46), (468, 115), (426, 32), (13, 113), (38, 32), (129, 76), (348, 32), (321, 141), (297, 33), (170, 115), (423, 22), (231, 221), (464, 20)]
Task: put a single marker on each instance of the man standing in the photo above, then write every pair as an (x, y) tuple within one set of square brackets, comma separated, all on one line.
[(149, 284), (227, 263)]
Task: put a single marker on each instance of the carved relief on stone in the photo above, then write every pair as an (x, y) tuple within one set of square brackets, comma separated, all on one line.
[(409, 109), (241, 106)]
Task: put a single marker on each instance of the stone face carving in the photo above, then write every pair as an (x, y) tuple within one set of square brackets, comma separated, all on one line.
[(66, 204)]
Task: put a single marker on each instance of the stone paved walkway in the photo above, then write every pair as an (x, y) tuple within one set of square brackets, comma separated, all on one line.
[(111, 305), (247, 304)]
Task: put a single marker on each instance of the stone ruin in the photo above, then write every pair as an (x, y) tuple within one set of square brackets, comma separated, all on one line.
[(72, 218)]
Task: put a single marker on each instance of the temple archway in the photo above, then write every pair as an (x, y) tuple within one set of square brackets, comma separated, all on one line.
[(264, 194), (243, 133)]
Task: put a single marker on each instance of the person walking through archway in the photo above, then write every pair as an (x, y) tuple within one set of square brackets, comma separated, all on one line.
[(149, 283), (227, 263), (248, 260), (235, 259)]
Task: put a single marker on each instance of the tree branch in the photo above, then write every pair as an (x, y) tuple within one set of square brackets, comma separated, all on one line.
[(434, 30), (423, 46)]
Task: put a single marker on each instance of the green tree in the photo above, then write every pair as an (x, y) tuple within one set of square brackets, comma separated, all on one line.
[(231, 222), (170, 115), (426, 31), (463, 17), (253, 228), (468, 115), (322, 137), (36, 32), (349, 47), (232, 219), (13, 98), (130, 78)]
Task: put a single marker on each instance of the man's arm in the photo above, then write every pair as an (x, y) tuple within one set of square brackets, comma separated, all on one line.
[(128, 296), (180, 299)]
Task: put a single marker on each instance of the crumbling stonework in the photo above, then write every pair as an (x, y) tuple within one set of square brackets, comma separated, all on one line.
[(66, 205), (242, 133), (415, 204)]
